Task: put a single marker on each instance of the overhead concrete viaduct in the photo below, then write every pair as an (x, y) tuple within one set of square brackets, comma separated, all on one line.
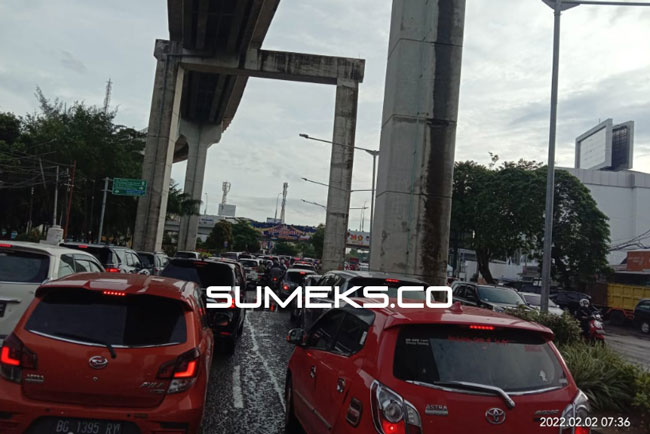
[(201, 75)]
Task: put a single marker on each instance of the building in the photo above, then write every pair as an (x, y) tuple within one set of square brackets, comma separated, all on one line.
[(624, 197)]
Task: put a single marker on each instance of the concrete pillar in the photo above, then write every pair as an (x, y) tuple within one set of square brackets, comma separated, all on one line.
[(340, 183), (159, 150), (410, 234), (199, 138)]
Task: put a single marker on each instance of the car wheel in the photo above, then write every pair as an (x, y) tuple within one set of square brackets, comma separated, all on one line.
[(645, 327), (291, 424)]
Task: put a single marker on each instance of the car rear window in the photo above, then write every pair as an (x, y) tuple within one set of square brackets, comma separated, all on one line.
[(104, 255), (249, 263), (296, 276), (499, 295), (203, 273), (391, 284), (146, 259), (23, 267), (130, 321), (514, 360)]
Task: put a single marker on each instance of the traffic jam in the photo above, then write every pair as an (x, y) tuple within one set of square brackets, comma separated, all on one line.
[(103, 339)]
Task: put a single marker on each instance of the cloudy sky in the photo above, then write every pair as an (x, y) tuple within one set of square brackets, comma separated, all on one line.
[(71, 47)]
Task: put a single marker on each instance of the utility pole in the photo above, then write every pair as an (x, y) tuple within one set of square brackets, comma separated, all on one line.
[(101, 219), (67, 214), (56, 196), (31, 205)]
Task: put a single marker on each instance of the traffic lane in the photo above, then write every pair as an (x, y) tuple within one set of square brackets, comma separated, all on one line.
[(246, 389), (630, 343)]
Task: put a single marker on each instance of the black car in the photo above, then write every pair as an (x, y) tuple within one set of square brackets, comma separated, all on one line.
[(115, 259), (154, 262), (227, 324), (642, 315), (569, 300), (496, 298)]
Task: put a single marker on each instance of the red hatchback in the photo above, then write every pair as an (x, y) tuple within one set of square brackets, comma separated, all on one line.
[(403, 371), (107, 353)]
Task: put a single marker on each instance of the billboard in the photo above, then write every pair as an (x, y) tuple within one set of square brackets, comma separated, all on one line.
[(606, 146), (227, 210), (594, 148), (358, 239)]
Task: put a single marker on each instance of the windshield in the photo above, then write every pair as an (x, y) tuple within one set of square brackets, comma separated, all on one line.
[(514, 360), (535, 300), (499, 295), (23, 267), (203, 273), (131, 321)]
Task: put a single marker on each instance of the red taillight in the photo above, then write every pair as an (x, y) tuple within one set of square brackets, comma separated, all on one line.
[(392, 428), (581, 430), (83, 246), (189, 372), (392, 280), (481, 327), (14, 357), (233, 305), (113, 270), (7, 359), (116, 293), (302, 273), (5, 245), (285, 287)]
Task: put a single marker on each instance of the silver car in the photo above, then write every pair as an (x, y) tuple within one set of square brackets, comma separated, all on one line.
[(24, 266)]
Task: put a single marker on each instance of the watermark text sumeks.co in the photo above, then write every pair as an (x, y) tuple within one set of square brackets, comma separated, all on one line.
[(326, 297)]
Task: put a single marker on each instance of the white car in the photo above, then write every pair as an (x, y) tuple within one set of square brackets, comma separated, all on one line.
[(251, 266), (24, 266), (533, 300)]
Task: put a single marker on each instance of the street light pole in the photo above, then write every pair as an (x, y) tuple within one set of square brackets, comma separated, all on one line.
[(547, 260), (101, 219), (276, 207)]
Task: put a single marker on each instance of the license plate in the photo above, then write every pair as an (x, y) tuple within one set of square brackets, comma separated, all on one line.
[(83, 426)]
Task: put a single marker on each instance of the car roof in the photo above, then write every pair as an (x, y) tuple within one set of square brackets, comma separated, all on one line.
[(300, 270), (374, 275), (50, 249), (455, 315), (97, 246), (136, 284)]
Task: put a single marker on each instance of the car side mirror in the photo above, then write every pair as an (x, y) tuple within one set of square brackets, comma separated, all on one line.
[(296, 336)]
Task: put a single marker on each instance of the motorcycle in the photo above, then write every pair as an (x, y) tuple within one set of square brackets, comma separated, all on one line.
[(595, 333)]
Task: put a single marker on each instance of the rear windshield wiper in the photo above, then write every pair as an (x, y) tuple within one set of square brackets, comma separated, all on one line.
[(89, 340), (479, 387)]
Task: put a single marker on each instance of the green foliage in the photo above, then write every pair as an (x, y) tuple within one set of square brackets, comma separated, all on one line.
[(317, 241), (59, 134), (284, 248), (180, 203), (642, 396), (245, 237), (308, 250), (565, 327), (221, 234), (607, 379), (34, 236), (497, 211)]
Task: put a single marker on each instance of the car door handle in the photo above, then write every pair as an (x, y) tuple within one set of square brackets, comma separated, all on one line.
[(312, 372)]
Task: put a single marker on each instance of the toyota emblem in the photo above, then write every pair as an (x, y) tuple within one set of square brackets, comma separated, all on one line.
[(98, 362), (495, 416)]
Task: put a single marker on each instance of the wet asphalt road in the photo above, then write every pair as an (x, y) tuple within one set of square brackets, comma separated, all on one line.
[(245, 394), (630, 342)]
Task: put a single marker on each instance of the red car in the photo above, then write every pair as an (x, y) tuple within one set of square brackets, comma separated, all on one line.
[(404, 371), (107, 353)]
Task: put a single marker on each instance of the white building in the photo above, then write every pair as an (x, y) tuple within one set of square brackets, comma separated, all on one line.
[(624, 197)]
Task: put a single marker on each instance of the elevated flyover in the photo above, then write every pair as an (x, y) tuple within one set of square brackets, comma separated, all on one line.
[(214, 46)]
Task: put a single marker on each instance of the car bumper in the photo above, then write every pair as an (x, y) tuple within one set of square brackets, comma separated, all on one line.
[(175, 413)]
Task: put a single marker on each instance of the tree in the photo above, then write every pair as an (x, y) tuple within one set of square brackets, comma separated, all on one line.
[(497, 211), (284, 248), (580, 233), (180, 203), (220, 237), (58, 135), (245, 237), (317, 241)]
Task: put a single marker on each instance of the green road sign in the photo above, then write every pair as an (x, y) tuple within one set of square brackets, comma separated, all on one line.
[(129, 187)]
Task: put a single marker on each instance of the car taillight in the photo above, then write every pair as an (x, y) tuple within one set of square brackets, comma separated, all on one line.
[(14, 357), (183, 371), (285, 287), (113, 270), (577, 410), (391, 413)]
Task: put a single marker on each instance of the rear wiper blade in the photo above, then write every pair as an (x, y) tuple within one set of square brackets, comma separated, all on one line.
[(89, 340), (479, 387)]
